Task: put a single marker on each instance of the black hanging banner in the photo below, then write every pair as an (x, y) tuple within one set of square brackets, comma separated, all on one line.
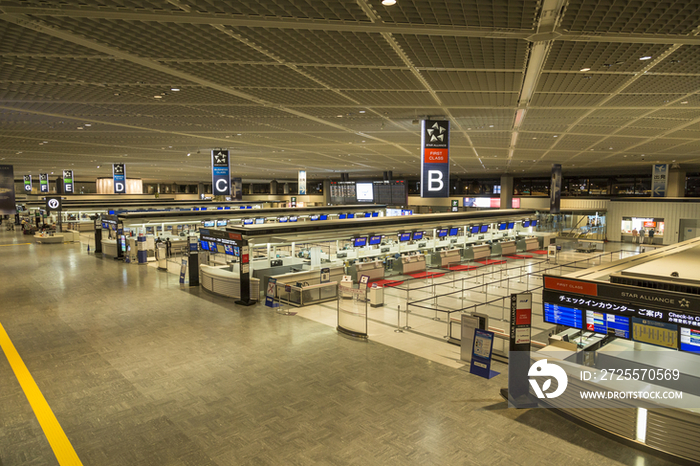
[(555, 190), (68, 182), (44, 182), (7, 190)]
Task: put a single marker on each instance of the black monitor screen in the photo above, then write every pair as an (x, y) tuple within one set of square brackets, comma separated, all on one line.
[(526, 223), (359, 242), (562, 315), (474, 230), (374, 240), (417, 235), (501, 226), (351, 215), (511, 225), (404, 237), (341, 216), (454, 231), (442, 232), (324, 217), (484, 229), (690, 339)]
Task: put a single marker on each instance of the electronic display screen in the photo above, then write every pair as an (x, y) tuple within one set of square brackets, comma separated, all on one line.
[(511, 225), (359, 242), (282, 219), (247, 221), (365, 192), (221, 223), (417, 235), (236, 251), (204, 245), (501, 226), (690, 339), (368, 214), (484, 229), (454, 231), (561, 315), (655, 333), (313, 217), (342, 216), (375, 214), (228, 248), (442, 232), (374, 240), (474, 229), (209, 223), (324, 217), (404, 237), (601, 322), (110, 212), (293, 218), (526, 223), (260, 220), (351, 215), (533, 223), (212, 247)]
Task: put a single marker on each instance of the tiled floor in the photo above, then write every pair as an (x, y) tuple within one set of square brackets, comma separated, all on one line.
[(140, 371)]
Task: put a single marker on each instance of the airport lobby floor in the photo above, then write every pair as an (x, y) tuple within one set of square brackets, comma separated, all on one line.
[(139, 371)]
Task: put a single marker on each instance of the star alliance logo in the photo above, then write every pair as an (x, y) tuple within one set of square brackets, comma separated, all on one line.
[(684, 303), (436, 133), (119, 169), (220, 158)]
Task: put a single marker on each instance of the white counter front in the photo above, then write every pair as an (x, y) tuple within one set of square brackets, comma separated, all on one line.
[(109, 247), (55, 239), (221, 281)]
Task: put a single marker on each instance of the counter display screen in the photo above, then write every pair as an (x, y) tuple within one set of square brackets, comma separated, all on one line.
[(511, 225), (228, 249), (374, 240), (601, 322), (314, 218), (454, 231), (690, 339), (247, 221), (368, 214), (324, 217), (293, 218), (283, 219), (417, 235), (501, 226), (359, 242), (561, 315), (442, 232), (212, 247), (351, 215), (404, 237), (533, 223), (526, 223), (342, 216), (208, 223), (655, 333), (474, 230), (259, 220), (221, 223), (204, 245), (375, 214), (484, 229)]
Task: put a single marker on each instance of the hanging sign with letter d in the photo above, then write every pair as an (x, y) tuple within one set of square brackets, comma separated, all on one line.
[(435, 158)]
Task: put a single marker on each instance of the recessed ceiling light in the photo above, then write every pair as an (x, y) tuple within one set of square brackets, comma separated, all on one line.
[(585, 69), (388, 2), (157, 96), (684, 102), (174, 89), (490, 126), (80, 127), (339, 116), (555, 136), (188, 155), (646, 58), (361, 111)]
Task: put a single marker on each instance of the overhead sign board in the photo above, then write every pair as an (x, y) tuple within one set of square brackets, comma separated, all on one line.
[(220, 173), (7, 190), (119, 176), (555, 190), (435, 158), (28, 183), (44, 182), (68, 183), (53, 204), (302, 182), (659, 180)]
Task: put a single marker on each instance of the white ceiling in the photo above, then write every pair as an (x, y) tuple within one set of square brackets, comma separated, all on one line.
[(334, 86)]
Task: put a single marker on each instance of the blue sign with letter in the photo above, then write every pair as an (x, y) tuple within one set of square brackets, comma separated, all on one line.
[(220, 173), (119, 177), (481, 354), (435, 158)]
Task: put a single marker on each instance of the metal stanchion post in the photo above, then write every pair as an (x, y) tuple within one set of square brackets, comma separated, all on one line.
[(462, 289), (398, 321), (520, 276), (406, 327)]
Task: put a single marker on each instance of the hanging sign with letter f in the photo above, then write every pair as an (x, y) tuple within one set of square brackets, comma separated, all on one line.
[(435, 158)]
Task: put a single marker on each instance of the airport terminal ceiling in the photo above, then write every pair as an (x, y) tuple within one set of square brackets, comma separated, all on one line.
[(339, 86)]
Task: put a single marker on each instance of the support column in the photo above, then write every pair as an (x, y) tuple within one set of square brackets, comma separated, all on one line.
[(200, 189), (506, 192), (286, 188), (326, 192), (676, 183), (273, 187)]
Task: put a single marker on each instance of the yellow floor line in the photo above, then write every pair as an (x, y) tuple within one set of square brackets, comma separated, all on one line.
[(14, 244), (62, 448)]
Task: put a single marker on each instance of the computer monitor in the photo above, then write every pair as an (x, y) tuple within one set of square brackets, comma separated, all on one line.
[(442, 232), (221, 223), (204, 245), (359, 242), (526, 223), (293, 218), (484, 229), (417, 235), (324, 216), (351, 215), (368, 214), (533, 223), (260, 220), (212, 247), (454, 231), (342, 216), (375, 214), (228, 248), (248, 221), (314, 217), (474, 229), (502, 226), (282, 219), (374, 240), (511, 225), (403, 237)]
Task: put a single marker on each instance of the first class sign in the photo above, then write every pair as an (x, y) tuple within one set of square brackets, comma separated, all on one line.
[(435, 158)]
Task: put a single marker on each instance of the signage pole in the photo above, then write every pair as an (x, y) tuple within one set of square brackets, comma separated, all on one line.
[(245, 275), (518, 389)]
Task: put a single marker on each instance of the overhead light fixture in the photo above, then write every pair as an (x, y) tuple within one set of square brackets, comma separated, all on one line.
[(646, 58), (388, 2), (87, 124), (513, 139), (174, 89), (684, 102), (361, 111), (585, 69), (157, 96)]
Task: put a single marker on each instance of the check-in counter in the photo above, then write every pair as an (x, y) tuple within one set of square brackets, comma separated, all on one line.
[(503, 248), (475, 253), (48, 239), (109, 247), (222, 280), (374, 270), (412, 264), (446, 258), (528, 244), (305, 277)]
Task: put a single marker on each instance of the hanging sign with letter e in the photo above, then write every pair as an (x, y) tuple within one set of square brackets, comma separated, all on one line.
[(220, 173), (435, 158)]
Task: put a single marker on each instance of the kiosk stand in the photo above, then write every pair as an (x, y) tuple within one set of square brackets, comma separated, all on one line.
[(193, 260)]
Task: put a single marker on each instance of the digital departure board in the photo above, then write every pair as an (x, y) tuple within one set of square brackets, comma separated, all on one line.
[(690, 339), (655, 333), (562, 315), (601, 322)]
